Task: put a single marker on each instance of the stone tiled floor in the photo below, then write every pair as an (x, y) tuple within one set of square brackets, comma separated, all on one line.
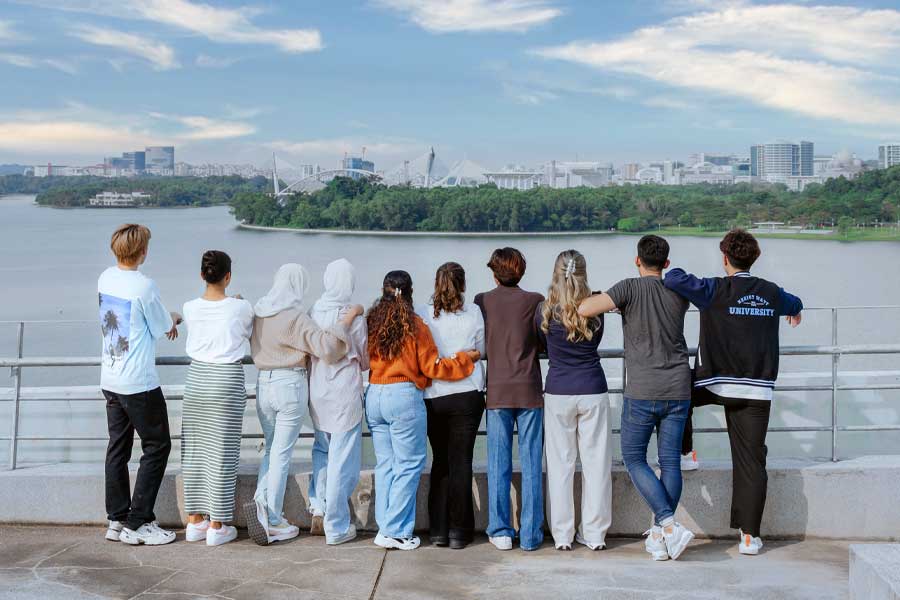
[(75, 562)]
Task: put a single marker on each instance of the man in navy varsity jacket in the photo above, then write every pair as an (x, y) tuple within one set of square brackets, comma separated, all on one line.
[(737, 365)]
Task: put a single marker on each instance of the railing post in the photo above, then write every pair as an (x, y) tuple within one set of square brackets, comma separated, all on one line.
[(16, 373), (834, 386)]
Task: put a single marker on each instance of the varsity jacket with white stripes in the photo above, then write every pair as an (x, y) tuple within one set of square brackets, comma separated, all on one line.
[(738, 350)]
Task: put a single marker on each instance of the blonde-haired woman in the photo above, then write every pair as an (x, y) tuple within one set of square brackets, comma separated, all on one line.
[(576, 409)]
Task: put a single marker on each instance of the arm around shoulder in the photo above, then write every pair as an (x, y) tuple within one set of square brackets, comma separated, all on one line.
[(596, 304), (698, 292)]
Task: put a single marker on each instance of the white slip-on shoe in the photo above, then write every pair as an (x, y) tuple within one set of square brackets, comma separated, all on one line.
[(114, 530), (502, 542), (196, 532), (749, 545), (257, 518), (283, 531), (149, 534), (689, 461), (655, 544), (341, 539), (677, 540), (410, 543), (584, 542), (222, 535)]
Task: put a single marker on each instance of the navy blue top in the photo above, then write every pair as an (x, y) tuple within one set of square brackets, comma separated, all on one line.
[(575, 368)]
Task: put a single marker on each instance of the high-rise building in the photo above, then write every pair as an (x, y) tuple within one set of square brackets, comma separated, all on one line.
[(358, 163), (781, 159), (160, 159), (889, 155), (137, 160)]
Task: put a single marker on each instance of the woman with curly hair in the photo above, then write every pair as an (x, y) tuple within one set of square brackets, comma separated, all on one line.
[(403, 359), (576, 409), (454, 410)]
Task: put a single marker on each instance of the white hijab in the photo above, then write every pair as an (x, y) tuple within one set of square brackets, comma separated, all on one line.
[(340, 281), (291, 283)]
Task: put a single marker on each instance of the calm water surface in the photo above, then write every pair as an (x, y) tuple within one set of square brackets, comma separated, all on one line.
[(50, 260)]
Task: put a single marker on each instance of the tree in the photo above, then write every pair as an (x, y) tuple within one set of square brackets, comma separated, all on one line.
[(844, 225)]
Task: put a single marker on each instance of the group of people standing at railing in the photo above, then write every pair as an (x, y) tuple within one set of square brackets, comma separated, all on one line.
[(427, 382)]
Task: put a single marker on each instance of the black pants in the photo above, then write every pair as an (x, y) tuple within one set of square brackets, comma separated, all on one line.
[(126, 413), (747, 422), (452, 428)]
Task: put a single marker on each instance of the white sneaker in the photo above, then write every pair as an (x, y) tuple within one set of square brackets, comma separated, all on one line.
[(222, 535), (501, 542), (689, 461), (196, 532), (584, 542), (150, 534), (749, 545), (341, 539), (283, 531), (564, 547), (114, 530), (655, 544), (397, 543), (677, 540)]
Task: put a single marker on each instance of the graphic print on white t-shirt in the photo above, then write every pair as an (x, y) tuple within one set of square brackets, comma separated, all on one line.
[(115, 324)]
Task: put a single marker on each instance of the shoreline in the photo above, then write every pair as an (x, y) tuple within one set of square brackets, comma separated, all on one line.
[(473, 234)]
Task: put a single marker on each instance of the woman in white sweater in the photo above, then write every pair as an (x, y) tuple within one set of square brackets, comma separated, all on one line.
[(336, 408), (284, 338), (454, 410)]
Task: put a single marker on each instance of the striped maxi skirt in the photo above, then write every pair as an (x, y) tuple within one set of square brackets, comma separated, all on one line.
[(213, 412)]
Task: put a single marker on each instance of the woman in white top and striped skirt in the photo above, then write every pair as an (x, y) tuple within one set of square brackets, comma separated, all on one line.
[(215, 396)]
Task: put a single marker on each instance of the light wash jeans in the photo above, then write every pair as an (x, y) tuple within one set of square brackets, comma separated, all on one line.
[(282, 402), (397, 419), (639, 419), (529, 422), (337, 459)]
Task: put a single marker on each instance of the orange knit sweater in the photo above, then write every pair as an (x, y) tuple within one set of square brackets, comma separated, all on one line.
[(419, 362)]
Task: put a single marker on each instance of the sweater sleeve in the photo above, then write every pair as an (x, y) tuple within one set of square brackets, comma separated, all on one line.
[(359, 340), (697, 291), (433, 366), (329, 345), (791, 305)]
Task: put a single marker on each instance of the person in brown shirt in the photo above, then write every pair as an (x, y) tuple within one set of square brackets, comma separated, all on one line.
[(514, 398)]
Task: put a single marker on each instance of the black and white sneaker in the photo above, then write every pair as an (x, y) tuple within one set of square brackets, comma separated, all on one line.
[(257, 523), (114, 530), (410, 543), (149, 534)]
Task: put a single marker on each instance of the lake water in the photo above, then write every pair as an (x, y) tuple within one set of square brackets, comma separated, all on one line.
[(50, 260)]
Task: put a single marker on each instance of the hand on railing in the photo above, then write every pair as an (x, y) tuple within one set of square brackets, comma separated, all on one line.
[(793, 321)]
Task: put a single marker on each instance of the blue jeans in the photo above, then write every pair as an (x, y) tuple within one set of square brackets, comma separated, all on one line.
[(529, 422), (639, 419), (397, 419), (282, 400), (337, 459)]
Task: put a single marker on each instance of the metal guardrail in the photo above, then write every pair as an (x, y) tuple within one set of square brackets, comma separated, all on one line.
[(834, 350)]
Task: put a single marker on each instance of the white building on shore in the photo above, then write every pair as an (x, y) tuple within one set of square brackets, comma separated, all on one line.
[(119, 199)]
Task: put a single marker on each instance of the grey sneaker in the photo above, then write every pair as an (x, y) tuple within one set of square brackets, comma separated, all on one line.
[(341, 539), (317, 527), (678, 540), (257, 523)]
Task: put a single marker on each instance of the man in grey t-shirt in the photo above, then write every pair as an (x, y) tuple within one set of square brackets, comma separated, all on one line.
[(657, 390)]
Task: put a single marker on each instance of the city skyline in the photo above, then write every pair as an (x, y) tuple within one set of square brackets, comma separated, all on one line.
[(512, 81)]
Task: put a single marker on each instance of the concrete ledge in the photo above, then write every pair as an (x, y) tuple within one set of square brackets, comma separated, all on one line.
[(875, 572), (852, 499)]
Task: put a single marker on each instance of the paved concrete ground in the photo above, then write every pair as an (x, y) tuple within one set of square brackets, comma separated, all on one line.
[(75, 562)]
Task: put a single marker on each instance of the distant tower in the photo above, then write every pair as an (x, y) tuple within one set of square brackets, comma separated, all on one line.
[(275, 177), (429, 168)]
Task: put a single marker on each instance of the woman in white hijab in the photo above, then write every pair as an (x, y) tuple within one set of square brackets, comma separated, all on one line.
[(283, 341), (336, 408)]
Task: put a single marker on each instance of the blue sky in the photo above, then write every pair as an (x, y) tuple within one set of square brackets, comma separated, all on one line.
[(497, 81)]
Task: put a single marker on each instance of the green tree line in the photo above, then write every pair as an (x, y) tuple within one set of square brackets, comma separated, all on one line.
[(165, 191), (359, 205)]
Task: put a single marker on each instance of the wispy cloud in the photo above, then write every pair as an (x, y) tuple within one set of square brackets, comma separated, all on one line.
[(8, 33), (161, 56), (385, 149), (446, 16), (31, 62), (214, 62), (819, 61), (204, 128), (218, 24)]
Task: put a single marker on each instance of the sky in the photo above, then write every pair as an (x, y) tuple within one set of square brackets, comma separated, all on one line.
[(495, 81)]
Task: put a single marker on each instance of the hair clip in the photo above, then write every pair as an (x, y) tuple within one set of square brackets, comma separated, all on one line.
[(397, 292), (570, 268)]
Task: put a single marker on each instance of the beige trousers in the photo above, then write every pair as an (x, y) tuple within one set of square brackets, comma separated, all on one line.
[(573, 426)]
